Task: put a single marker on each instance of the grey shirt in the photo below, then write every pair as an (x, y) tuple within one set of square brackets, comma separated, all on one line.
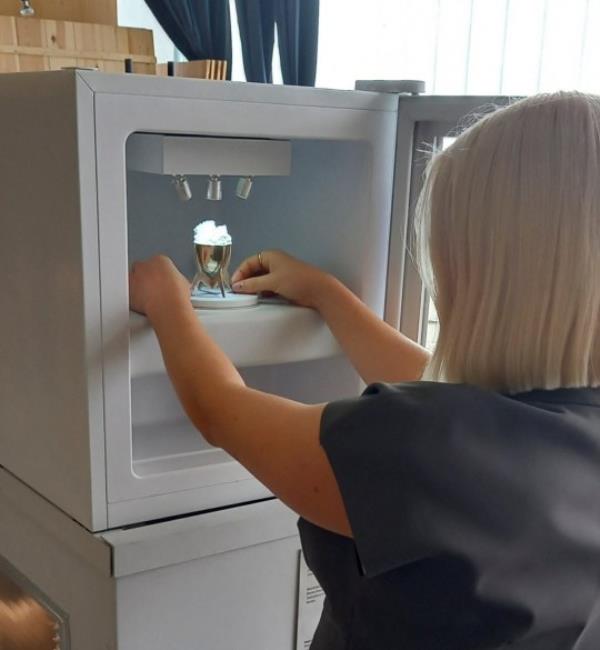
[(475, 515)]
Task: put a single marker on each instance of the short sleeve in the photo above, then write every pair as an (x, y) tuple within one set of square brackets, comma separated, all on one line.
[(423, 469)]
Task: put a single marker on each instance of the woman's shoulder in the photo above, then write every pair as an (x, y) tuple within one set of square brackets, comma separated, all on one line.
[(415, 401), (424, 466), (421, 413), (418, 392), (435, 399)]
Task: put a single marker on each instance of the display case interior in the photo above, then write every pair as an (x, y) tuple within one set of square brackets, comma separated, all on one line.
[(312, 210)]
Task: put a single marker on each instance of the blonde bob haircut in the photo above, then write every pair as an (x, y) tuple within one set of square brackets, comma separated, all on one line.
[(508, 234)]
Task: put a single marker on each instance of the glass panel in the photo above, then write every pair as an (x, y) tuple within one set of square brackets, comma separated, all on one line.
[(26, 624), (561, 56), (486, 50), (523, 47), (431, 324), (590, 50), (452, 47)]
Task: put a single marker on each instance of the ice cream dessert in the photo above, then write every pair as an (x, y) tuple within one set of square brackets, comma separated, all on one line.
[(207, 233)]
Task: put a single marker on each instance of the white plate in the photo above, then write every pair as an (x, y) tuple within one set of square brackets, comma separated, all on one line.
[(204, 300)]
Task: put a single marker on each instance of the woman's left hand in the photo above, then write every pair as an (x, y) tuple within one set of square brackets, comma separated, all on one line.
[(156, 284)]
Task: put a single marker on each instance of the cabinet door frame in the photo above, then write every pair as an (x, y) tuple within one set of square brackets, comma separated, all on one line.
[(423, 122)]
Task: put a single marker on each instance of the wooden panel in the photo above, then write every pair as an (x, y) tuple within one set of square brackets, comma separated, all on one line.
[(85, 11), (200, 69), (33, 63), (122, 40), (141, 41), (59, 62), (8, 30), (31, 44), (95, 11), (106, 38), (8, 36), (9, 63), (85, 37), (30, 33), (87, 63), (203, 69), (144, 68), (59, 35), (113, 66)]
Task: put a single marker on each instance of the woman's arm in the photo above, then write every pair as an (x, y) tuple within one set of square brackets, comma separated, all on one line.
[(274, 438), (378, 351)]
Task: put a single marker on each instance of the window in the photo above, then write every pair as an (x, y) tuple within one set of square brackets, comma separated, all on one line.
[(462, 46), (455, 46), (431, 324)]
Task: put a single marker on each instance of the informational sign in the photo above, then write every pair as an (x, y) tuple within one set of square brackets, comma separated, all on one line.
[(310, 604)]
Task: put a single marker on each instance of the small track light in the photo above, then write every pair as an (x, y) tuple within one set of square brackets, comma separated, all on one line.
[(26, 8), (182, 187), (244, 186), (214, 191)]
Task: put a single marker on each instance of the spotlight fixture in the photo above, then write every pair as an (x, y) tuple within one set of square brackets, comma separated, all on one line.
[(214, 191), (26, 8), (182, 187), (244, 186)]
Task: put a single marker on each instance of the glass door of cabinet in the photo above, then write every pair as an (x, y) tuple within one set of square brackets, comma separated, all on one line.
[(28, 621), (426, 125)]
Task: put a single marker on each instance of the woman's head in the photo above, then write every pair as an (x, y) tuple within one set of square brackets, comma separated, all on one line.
[(509, 241)]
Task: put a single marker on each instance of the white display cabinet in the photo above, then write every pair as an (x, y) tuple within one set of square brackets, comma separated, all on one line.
[(90, 420)]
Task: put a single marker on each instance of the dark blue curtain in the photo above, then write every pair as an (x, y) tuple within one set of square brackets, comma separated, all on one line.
[(297, 32), (298, 36), (200, 29), (256, 20)]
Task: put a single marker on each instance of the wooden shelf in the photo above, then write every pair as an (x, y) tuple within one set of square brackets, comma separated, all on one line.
[(31, 44), (252, 336)]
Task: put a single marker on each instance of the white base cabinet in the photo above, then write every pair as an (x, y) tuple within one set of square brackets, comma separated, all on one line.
[(222, 580)]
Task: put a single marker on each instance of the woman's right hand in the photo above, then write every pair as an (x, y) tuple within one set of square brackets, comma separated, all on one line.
[(280, 273)]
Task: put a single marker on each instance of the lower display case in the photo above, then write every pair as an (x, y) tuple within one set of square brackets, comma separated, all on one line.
[(222, 579), (160, 448)]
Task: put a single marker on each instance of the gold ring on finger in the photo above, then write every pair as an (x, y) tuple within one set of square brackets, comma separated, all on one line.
[(260, 260)]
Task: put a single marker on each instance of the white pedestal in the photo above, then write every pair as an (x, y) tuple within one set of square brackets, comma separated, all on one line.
[(205, 300)]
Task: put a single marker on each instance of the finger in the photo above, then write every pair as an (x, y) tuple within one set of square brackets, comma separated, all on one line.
[(251, 266), (132, 276), (247, 269), (257, 284)]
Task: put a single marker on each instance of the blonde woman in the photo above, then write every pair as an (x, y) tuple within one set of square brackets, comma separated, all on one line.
[(460, 512)]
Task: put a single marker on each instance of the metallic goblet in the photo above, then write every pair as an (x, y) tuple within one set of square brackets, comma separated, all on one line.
[(212, 262)]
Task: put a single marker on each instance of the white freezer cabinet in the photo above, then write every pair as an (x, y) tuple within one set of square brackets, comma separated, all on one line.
[(89, 419)]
